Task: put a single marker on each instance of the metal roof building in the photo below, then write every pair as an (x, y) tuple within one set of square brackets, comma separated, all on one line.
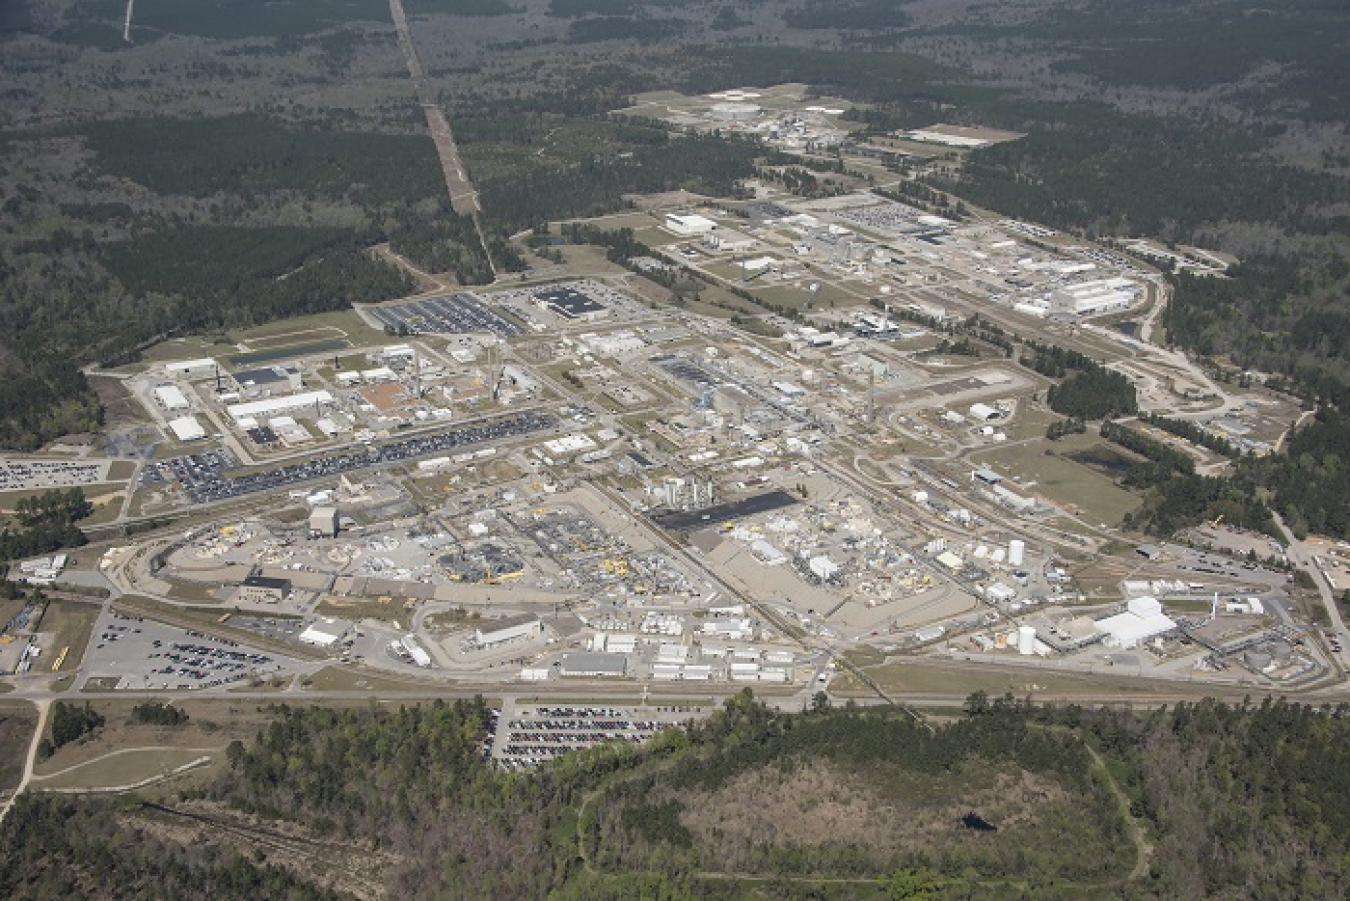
[(171, 398), (187, 428), (600, 665), (278, 404)]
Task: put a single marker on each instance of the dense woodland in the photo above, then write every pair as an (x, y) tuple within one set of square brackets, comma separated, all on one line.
[(1095, 393), (1008, 799), (44, 523)]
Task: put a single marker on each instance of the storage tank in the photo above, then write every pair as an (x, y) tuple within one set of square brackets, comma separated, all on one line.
[(1017, 548), (1026, 640)]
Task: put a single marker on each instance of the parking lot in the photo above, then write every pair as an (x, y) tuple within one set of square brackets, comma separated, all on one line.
[(529, 735), (27, 475), (143, 654), (203, 475), (445, 314)]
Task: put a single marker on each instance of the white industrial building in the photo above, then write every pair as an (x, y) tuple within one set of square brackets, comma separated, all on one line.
[(181, 368), (187, 428), (324, 633), (503, 630), (689, 225), (1094, 297), (1143, 619), (170, 398), (278, 404)]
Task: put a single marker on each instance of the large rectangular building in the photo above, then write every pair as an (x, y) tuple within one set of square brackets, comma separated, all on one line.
[(1094, 297), (268, 380), (170, 398), (270, 405), (503, 630), (689, 225), (187, 428), (571, 303), (594, 665)]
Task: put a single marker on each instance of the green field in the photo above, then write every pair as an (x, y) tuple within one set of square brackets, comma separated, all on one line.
[(1078, 488)]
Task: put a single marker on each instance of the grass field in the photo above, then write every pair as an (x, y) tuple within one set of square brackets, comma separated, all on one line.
[(364, 609), (127, 767), (297, 337), (71, 622), (333, 678), (939, 679), (336, 324), (1078, 488), (212, 723), (17, 722)]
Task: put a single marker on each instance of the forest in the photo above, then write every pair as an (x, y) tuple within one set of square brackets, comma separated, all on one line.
[(1095, 393), (44, 523), (1005, 798)]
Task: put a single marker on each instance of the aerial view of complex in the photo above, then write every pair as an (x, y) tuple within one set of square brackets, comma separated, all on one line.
[(615, 449)]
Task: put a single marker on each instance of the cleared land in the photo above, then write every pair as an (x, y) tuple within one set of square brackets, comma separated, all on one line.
[(17, 722), (1078, 488), (126, 767), (70, 623)]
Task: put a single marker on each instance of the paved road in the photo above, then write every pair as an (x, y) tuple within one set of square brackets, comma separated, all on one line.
[(1302, 556)]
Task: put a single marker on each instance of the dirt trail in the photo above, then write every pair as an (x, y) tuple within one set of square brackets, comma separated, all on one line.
[(463, 196)]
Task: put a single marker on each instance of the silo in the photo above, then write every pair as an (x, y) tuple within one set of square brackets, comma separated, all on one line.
[(1016, 549), (1026, 640)]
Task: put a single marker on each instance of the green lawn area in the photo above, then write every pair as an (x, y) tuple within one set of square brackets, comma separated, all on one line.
[(1076, 487)]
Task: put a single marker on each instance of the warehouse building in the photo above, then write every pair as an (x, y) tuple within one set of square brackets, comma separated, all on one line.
[(689, 225), (324, 633), (571, 304), (187, 368), (270, 405), (187, 428), (170, 398), (589, 665), (500, 631)]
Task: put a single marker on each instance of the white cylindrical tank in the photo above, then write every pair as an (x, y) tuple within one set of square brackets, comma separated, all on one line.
[(1026, 640), (1017, 548)]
